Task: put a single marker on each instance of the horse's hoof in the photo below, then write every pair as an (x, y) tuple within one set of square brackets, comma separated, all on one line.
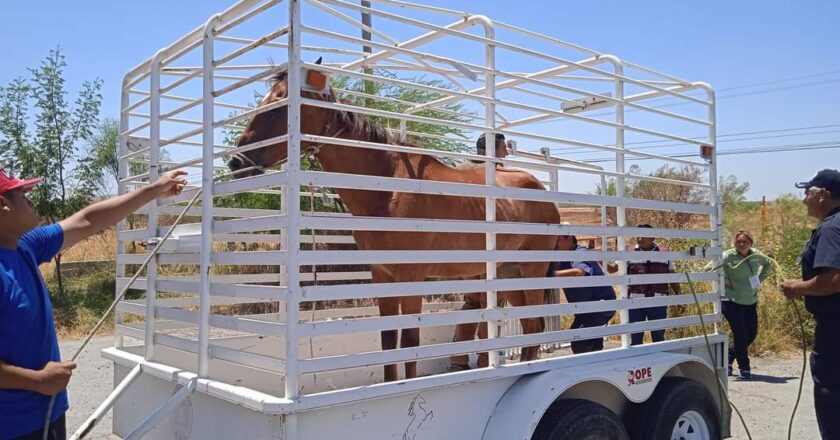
[(453, 368)]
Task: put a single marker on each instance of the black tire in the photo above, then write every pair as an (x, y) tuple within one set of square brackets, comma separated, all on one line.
[(675, 399), (577, 419)]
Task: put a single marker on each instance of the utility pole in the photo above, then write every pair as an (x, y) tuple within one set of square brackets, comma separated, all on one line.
[(367, 21)]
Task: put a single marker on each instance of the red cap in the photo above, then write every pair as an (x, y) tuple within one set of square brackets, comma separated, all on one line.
[(9, 183)]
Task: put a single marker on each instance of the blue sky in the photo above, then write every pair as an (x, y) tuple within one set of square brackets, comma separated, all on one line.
[(728, 44)]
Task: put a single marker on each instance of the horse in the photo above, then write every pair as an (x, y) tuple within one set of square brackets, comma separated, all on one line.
[(372, 203)]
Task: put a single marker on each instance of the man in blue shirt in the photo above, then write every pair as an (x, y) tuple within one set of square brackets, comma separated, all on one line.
[(820, 286), (582, 294), (31, 369)]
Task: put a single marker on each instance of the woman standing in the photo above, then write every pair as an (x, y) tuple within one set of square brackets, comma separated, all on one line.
[(745, 268)]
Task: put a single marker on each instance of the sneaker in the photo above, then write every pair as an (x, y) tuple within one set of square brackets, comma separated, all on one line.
[(745, 375)]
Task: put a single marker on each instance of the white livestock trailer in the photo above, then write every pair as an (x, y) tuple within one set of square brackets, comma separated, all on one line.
[(257, 319)]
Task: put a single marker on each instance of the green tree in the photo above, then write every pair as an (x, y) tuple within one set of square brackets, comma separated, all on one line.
[(57, 147), (731, 192), (652, 190), (103, 155)]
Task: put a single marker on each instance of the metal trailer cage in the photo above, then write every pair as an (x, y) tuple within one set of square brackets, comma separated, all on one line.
[(231, 305)]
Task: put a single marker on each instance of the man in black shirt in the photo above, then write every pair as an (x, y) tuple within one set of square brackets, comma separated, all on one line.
[(820, 286)]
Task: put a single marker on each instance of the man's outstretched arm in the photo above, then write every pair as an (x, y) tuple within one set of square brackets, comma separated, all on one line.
[(101, 215)]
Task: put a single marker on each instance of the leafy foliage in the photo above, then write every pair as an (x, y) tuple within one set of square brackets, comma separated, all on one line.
[(57, 147)]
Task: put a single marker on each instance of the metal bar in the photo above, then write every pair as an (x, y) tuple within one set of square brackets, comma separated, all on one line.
[(244, 17), (185, 99), (503, 45), (449, 318), (126, 107), (291, 241), (439, 256), (251, 46), (170, 404), (152, 226), (252, 112), (190, 38), (249, 40), (208, 85), (337, 180), (333, 363), (252, 224), (184, 107), (221, 288), (228, 149), (526, 135), (230, 67), (250, 79), (490, 180), (352, 21), (716, 219), (182, 136), (122, 188), (107, 404), (402, 116), (185, 79), (621, 215)]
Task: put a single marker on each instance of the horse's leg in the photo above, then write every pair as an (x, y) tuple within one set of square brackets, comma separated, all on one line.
[(410, 305), (532, 298), (466, 331), (387, 307), (483, 360), (504, 271)]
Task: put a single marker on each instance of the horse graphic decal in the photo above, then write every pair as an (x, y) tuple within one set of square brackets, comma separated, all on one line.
[(419, 416)]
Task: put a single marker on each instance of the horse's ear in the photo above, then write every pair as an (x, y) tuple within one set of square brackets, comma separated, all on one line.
[(316, 80)]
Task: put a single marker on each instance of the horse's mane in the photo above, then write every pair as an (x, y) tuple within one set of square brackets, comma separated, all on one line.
[(356, 124)]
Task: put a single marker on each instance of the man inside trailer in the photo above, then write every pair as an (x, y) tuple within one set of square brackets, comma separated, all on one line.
[(580, 268)]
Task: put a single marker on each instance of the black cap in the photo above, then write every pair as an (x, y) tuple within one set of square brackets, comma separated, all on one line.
[(825, 179), (479, 144)]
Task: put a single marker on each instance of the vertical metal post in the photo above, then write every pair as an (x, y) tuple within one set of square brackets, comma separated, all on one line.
[(604, 245), (716, 217), (207, 138), (154, 164), (122, 173), (621, 218), (490, 176), (553, 323), (292, 195)]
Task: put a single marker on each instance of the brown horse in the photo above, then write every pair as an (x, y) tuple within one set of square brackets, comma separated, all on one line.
[(362, 161)]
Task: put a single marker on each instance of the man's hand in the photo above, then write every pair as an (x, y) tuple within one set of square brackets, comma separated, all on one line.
[(54, 377), (788, 289), (169, 185)]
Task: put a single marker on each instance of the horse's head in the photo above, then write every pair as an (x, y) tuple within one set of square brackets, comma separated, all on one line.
[(274, 123)]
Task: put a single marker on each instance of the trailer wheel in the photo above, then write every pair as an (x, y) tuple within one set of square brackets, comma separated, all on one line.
[(679, 409), (579, 419)]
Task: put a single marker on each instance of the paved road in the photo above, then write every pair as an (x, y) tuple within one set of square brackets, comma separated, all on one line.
[(766, 401), (90, 385)]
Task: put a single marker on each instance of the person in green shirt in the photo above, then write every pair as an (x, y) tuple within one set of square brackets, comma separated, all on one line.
[(745, 268)]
